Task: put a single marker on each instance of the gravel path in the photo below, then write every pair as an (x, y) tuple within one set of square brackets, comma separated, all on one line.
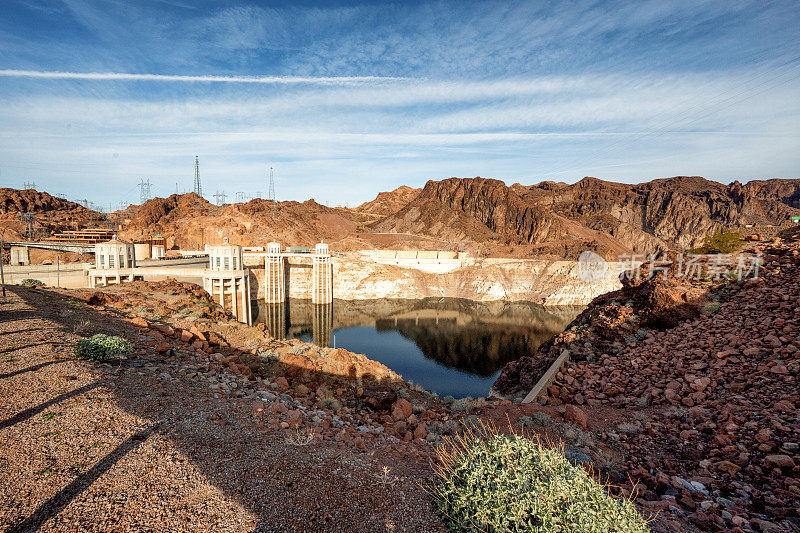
[(138, 446)]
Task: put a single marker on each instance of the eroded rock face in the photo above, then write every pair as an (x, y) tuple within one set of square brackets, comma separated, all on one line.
[(610, 218)]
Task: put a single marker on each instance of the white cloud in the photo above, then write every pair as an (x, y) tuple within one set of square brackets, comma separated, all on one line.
[(122, 76)]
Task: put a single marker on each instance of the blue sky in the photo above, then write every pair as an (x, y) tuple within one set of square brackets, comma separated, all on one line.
[(351, 98)]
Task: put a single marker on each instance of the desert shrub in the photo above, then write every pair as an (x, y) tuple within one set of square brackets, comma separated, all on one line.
[(724, 242), (101, 347), (502, 483), (30, 282), (710, 309)]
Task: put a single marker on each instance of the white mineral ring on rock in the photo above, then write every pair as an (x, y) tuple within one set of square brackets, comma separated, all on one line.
[(591, 267)]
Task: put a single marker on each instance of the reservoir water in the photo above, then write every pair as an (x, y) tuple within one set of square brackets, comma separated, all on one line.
[(452, 347)]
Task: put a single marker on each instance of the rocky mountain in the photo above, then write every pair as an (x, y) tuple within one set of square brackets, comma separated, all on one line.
[(189, 221), (561, 220), (33, 201), (387, 203), (482, 216), (50, 213)]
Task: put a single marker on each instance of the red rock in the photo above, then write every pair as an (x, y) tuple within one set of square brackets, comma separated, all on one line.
[(727, 466), (282, 383), (163, 347), (258, 406), (780, 461), (197, 333), (163, 328), (576, 415), (379, 398), (401, 409), (421, 431), (359, 442), (140, 322), (186, 336)]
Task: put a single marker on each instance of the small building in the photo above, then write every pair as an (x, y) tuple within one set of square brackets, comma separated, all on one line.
[(115, 253), (114, 262), (227, 281), (158, 247), (225, 257)]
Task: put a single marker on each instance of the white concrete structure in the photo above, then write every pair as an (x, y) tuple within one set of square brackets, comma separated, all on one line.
[(322, 276), (158, 245), (141, 251), (114, 254), (20, 256), (435, 261), (274, 274), (114, 262), (227, 281), (225, 257)]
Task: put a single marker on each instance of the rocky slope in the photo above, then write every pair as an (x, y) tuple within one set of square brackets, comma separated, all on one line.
[(51, 213), (708, 370)]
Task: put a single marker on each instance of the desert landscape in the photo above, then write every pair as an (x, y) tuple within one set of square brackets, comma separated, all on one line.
[(382, 267)]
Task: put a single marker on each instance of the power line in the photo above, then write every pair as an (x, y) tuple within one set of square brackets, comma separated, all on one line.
[(220, 197), (29, 185)]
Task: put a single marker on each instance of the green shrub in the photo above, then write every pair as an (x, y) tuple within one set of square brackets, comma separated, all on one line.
[(30, 282), (501, 483), (724, 242), (101, 347), (710, 309)]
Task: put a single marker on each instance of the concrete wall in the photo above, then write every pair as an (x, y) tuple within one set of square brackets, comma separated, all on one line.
[(545, 282)]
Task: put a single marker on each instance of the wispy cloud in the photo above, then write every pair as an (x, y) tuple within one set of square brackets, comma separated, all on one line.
[(348, 99), (122, 76)]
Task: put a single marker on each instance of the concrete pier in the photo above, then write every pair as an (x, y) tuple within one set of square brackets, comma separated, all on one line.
[(274, 274), (322, 276), (228, 282), (20, 256)]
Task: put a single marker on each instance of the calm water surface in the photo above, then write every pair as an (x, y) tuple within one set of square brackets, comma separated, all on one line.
[(452, 347)]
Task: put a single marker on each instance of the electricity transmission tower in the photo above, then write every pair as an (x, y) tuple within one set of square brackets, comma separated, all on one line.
[(271, 194), (242, 197), (198, 189), (144, 190), (220, 197), (29, 185), (30, 230)]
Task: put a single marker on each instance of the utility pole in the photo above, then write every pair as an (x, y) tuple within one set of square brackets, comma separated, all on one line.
[(198, 189), (220, 197), (2, 276)]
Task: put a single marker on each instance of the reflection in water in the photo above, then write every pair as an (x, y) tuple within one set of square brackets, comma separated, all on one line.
[(450, 346)]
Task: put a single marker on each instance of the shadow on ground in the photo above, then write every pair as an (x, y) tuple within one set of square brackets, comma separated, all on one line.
[(285, 487)]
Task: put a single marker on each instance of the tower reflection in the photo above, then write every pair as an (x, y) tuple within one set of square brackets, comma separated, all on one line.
[(322, 324)]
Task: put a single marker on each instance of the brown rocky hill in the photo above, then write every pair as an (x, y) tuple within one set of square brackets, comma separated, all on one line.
[(189, 222), (611, 218), (390, 202), (51, 213)]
